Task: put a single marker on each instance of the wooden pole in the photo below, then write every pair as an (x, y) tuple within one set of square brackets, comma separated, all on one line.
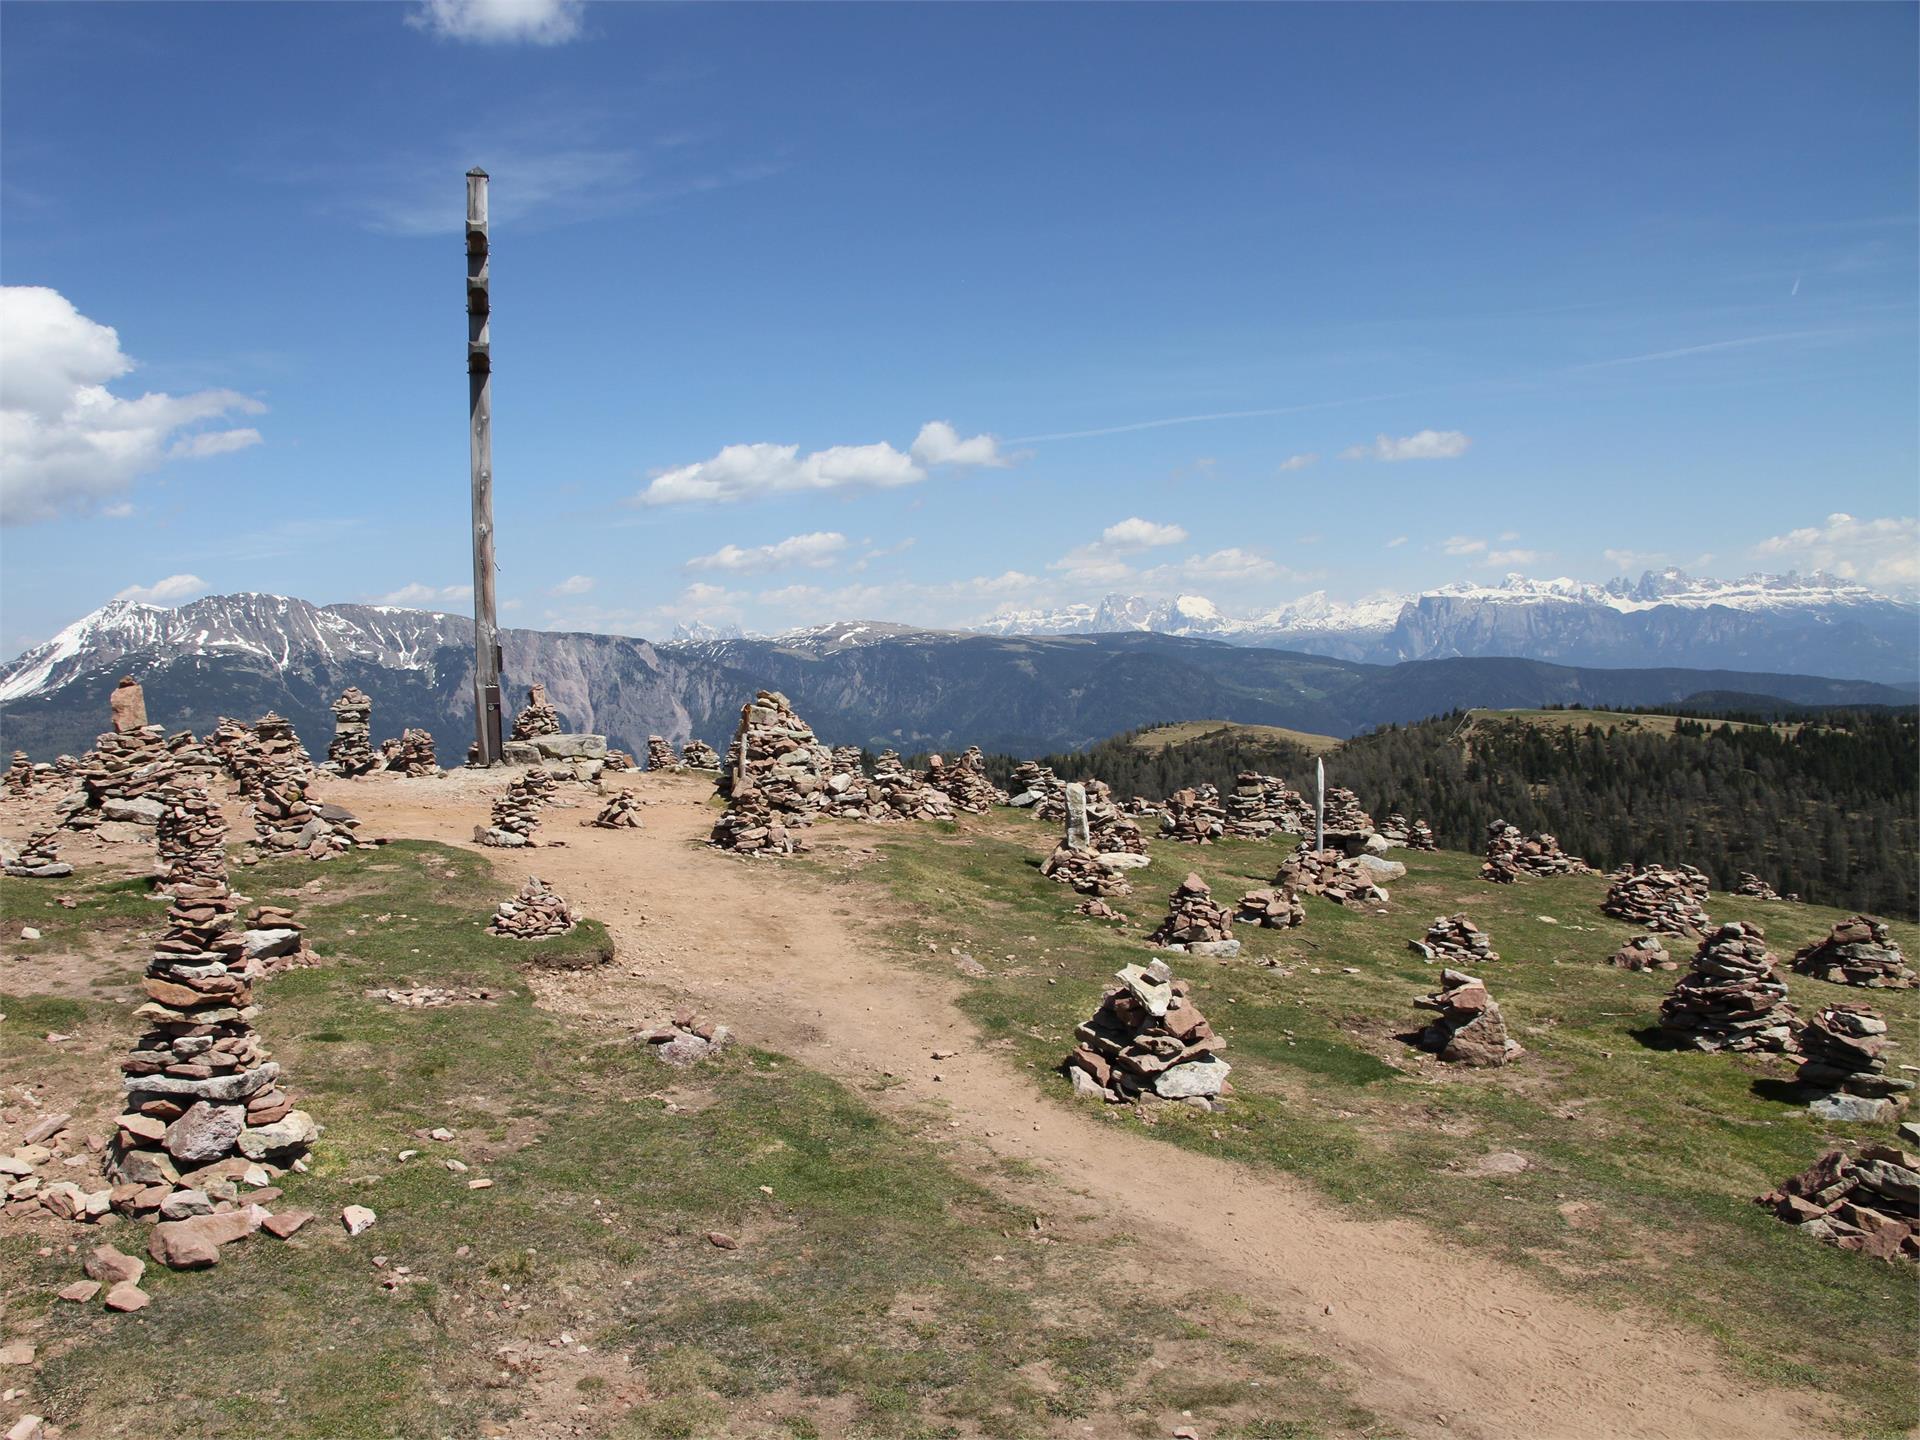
[(1319, 804), (486, 642)]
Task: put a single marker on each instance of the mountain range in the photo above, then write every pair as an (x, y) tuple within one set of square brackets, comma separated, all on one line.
[(862, 683)]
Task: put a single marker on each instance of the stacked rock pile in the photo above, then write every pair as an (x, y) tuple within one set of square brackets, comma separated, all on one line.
[(39, 858), (191, 838), (965, 781), (1644, 952), (1454, 940), (778, 757), (893, 793), (542, 784), (1274, 908), (621, 812), (225, 742), (751, 826), (660, 754), (846, 760), (1098, 909), (1845, 1049), (1030, 783), (685, 1039), (1511, 855), (1869, 1203), (1093, 860), (1860, 951), (1110, 829), (1261, 804), (274, 940), (1468, 1028), (1733, 998), (1421, 837), (1672, 901), (1331, 874), (20, 774), (1194, 923), (1395, 829), (201, 1089), (120, 776), (1148, 1038), (616, 761), (539, 718), (351, 752), (515, 815), (272, 754), (534, 914), (1085, 871), (698, 755), (286, 818), (1193, 816), (412, 754), (1345, 814), (1752, 887)]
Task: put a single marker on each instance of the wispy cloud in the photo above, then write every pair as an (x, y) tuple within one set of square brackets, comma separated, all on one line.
[(573, 585), (415, 594), (817, 550), (1711, 347), (1298, 462), (500, 22), (1883, 552), (1396, 542), (1422, 445), (170, 591)]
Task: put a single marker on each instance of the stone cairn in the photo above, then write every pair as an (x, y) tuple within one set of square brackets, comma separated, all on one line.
[(685, 1039), (965, 782), (1345, 814), (621, 812), (516, 813), (351, 752), (1261, 804), (698, 755), (20, 774), (1148, 1039), (539, 718), (534, 914), (778, 757), (1869, 1203), (1112, 830), (1468, 1028), (1394, 829), (1644, 952), (616, 761), (1331, 874), (1272, 908), (39, 858), (1752, 887), (1733, 998), (751, 826), (285, 818), (128, 764), (1194, 923), (228, 738), (893, 793), (1420, 837), (1031, 783), (201, 1089), (1193, 816), (192, 839), (1860, 951), (1672, 902), (272, 754), (1454, 940), (660, 754), (1081, 859), (412, 754), (1511, 855), (275, 940), (1845, 1061), (846, 760)]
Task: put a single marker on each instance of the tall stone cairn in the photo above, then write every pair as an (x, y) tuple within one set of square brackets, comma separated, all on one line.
[(1868, 1202), (1149, 1039), (1194, 923), (1110, 828), (228, 739), (1511, 855), (846, 760), (201, 1088), (20, 774), (351, 752), (271, 754), (1670, 901), (128, 765), (965, 781), (1860, 951), (1193, 816), (1078, 859), (1420, 837), (778, 756), (1454, 940), (1031, 783), (515, 815), (1262, 804), (698, 755), (539, 718), (1345, 814), (192, 839), (1468, 1028), (412, 754), (1845, 1048), (660, 754), (39, 857), (1733, 998)]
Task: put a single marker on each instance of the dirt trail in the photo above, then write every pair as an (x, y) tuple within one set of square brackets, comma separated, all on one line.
[(1436, 1339)]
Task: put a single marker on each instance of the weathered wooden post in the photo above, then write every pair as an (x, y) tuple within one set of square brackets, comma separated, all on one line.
[(1319, 804), (486, 644)]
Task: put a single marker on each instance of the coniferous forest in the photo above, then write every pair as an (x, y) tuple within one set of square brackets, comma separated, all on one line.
[(1826, 810)]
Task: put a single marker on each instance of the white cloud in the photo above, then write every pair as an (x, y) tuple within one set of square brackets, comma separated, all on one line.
[(1223, 567), (121, 511), (1627, 561), (1883, 552), (1509, 559), (938, 443), (818, 549), (1396, 542), (416, 594), (1462, 545), (500, 22), (1298, 462), (68, 445), (1134, 534), (170, 591), (1426, 445), (1103, 561), (573, 585)]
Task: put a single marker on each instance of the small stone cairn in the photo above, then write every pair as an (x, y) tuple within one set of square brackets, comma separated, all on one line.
[(751, 826), (191, 838), (515, 814), (1031, 783), (1110, 829), (1845, 1049), (286, 819), (1193, 816), (616, 761), (1331, 874), (686, 1039), (1468, 1028), (272, 755), (698, 755), (1671, 901), (1148, 1039), (1394, 829), (1194, 923), (660, 754), (1454, 940), (1860, 951), (1080, 859), (965, 782), (412, 754), (1511, 855), (1262, 804), (1752, 887), (1420, 837), (539, 718), (351, 752), (1345, 814), (536, 913), (39, 857), (20, 774), (1869, 1203), (225, 742), (778, 757), (621, 812), (1644, 952), (846, 760), (1733, 998), (893, 793), (1273, 908)]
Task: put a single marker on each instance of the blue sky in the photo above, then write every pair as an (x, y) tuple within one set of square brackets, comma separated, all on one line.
[(919, 312)]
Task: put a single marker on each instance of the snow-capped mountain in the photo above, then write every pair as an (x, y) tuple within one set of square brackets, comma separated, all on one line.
[(1796, 624)]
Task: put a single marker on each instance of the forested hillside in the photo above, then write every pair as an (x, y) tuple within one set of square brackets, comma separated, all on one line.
[(1827, 811)]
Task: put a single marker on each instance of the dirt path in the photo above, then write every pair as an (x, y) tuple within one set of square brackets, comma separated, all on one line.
[(1436, 1339)]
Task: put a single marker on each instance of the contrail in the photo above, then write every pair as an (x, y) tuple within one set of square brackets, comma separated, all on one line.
[(1796, 286), (1202, 419)]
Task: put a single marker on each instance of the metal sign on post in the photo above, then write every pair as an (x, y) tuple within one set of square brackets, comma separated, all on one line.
[(486, 645)]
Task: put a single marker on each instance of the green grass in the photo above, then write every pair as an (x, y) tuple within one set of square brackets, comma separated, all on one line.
[(876, 1291), (1644, 1160), (1187, 731)]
